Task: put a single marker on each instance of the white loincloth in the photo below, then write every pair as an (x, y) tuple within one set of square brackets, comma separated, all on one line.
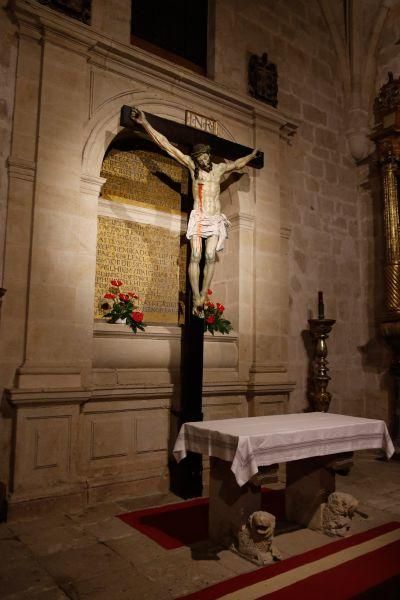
[(207, 225)]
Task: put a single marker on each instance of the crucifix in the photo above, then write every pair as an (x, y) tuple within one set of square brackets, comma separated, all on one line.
[(192, 148), (206, 219)]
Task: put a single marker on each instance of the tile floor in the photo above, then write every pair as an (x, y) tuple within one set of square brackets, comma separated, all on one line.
[(94, 555)]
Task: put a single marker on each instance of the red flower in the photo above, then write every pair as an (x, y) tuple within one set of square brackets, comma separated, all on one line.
[(209, 304), (109, 296), (210, 320), (133, 295), (123, 297), (209, 292), (116, 282), (220, 307), (137, 316)]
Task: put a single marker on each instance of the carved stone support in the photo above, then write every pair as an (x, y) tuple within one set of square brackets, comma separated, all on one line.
[(334, 517), (255, 539), (232, 509), (309, 482)]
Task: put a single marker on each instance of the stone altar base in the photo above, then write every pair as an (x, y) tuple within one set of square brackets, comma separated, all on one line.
[(231, 505), (308, 484)]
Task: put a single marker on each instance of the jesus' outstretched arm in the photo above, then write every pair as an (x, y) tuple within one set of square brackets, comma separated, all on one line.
[(161, 141), (236, 165)]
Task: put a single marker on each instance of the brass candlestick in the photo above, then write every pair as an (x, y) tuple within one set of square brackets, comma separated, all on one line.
[(320, 329)]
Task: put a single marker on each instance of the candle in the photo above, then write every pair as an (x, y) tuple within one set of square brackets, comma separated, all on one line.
[(321, 314)]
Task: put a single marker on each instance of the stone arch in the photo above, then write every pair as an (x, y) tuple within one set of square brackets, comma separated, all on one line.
[(356, 54), (104, 124)]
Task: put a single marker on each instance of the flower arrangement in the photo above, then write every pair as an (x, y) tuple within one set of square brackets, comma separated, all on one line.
[(123, 307), (213, 319)]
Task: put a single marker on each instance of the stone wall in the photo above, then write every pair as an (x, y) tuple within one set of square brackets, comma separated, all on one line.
[(376, 356), (318, 181), (8, 58), (83, 418), (307, 221)]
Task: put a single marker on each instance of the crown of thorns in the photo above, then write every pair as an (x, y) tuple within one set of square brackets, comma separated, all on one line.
[(200, 149)]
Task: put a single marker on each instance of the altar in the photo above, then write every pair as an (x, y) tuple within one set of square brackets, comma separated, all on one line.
[(314, 445)]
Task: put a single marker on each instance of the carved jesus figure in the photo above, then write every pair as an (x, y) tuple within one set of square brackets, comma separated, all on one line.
[(206, 220)]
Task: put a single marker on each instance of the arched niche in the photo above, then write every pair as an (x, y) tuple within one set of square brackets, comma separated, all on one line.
[(142, 215), (119, 356)]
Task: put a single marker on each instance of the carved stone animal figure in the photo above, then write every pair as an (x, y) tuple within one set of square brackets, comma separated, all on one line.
[(338, 513), (256, 536)]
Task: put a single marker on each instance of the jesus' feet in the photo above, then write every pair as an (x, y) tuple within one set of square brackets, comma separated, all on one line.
[(198, 307)]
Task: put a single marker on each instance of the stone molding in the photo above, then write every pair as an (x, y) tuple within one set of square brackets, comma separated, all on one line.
[(140, 396), (47, 377), (268, 368), (108, 53), (91, 185), (271, 388), (243, 221), (286, 233), (19, 168), (32, 16), (157, 332), (62, 40), (262, 375), (20, 398), (157, 353), (29, 28), (140, 214)]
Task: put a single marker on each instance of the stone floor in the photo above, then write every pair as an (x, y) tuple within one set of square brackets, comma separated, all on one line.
[(94, 555)]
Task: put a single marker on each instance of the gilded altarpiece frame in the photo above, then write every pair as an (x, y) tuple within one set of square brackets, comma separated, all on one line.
[(140, 236)]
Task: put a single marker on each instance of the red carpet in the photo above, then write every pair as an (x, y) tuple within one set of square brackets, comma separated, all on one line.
[(364, 566), (185, 523)]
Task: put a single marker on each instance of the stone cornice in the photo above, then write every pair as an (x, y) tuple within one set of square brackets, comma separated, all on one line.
[(157, 332), (142, 394), (18, 397), (120, 57), (33, 17), (124, 58), (61, 39)]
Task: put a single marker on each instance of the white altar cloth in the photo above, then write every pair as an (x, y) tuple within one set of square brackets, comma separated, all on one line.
[(261, 441)]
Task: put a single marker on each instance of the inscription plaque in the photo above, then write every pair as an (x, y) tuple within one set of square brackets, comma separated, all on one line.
[(148, 260), (201, 122), (144, 178)]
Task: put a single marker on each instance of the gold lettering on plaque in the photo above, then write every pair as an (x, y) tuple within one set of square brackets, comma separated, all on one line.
[(145, 178), (149, 260)]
